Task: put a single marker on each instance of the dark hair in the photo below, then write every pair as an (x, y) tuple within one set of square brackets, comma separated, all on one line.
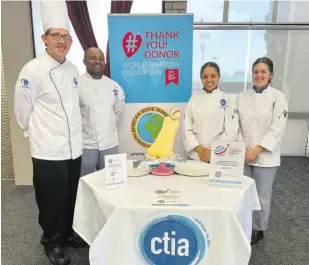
[(210, 64), (86, 51), (266, 61), (46, 33)]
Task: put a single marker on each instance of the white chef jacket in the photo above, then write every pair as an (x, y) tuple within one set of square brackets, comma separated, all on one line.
[(263, 121), (47, 108), (102, 102), (209, 117)]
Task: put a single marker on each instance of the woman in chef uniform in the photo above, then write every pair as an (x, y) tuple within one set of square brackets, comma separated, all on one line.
[(210, 115), (263, 120)]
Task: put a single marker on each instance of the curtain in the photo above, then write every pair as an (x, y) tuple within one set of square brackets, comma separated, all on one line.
[(117, 7), (80, 19)]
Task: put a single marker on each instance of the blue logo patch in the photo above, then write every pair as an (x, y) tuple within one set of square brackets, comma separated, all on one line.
[(223, 102), (25, 83), (173, 239), (115, 92)]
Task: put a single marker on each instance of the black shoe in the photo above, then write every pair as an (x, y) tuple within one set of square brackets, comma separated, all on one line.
[(57, 256), (256, 236), (76, 241)]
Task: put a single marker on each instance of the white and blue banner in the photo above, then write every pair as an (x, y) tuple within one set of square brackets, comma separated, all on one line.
[(151, 59)]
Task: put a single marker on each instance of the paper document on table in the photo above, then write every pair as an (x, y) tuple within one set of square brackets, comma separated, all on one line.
[(169, 197), (227, 159), (116, 170)]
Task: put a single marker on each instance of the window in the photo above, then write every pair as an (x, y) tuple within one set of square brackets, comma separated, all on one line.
[(289, 51), (236, 50), (228, 49), (293, 11), (206, 10), (238, 10), (250, 11)]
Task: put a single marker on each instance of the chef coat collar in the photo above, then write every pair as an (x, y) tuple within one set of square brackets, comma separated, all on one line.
[(91, 78), (52, 60), (259, 90), (212, 92)]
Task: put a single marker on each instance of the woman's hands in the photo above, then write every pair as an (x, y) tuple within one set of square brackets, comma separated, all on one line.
[(204, 153), (252, 154)]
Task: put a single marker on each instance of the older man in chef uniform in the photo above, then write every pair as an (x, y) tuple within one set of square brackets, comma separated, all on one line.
[(47, 110)]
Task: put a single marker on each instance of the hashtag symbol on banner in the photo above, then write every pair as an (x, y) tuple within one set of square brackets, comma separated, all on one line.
[(131, 44)]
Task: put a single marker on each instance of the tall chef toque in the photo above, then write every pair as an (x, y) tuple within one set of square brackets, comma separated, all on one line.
[(54, 15)]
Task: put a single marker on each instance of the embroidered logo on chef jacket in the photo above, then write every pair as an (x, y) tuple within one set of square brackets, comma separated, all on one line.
[(285, 113), (223, 102), (75, 83), (25, 83)]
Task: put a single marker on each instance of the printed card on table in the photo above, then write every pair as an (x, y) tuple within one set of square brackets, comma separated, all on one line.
[(116, 170), (168, 197), (227, 159)]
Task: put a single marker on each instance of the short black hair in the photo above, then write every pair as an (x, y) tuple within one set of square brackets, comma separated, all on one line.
[(266, 61), (86, 51), (210, 64)]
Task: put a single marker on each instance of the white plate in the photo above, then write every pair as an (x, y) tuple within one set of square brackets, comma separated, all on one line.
[(192, 168), (141, 170)]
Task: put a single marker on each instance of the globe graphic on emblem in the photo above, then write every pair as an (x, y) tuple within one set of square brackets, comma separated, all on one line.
[(149, 126)]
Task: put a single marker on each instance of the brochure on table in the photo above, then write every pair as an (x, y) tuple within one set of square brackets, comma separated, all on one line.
[(227, 159), (168, 197), (116, 170)]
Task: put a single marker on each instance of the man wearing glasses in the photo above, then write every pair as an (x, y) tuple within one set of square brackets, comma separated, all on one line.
[(47, 110)]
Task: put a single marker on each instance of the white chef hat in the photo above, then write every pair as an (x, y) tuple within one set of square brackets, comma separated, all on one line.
[(54, 14)]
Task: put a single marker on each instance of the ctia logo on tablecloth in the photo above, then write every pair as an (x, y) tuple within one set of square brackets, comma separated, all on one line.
[(221, 149), (146, 125), (173, 239)]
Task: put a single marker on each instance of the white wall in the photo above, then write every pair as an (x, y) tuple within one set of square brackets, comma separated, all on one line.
[(17, 49), (295, 141)]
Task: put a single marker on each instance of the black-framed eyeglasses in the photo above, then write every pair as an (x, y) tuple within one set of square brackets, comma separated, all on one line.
[(57, 36)]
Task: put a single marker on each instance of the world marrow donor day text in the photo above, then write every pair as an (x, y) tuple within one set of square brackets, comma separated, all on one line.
[(156, 54)]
